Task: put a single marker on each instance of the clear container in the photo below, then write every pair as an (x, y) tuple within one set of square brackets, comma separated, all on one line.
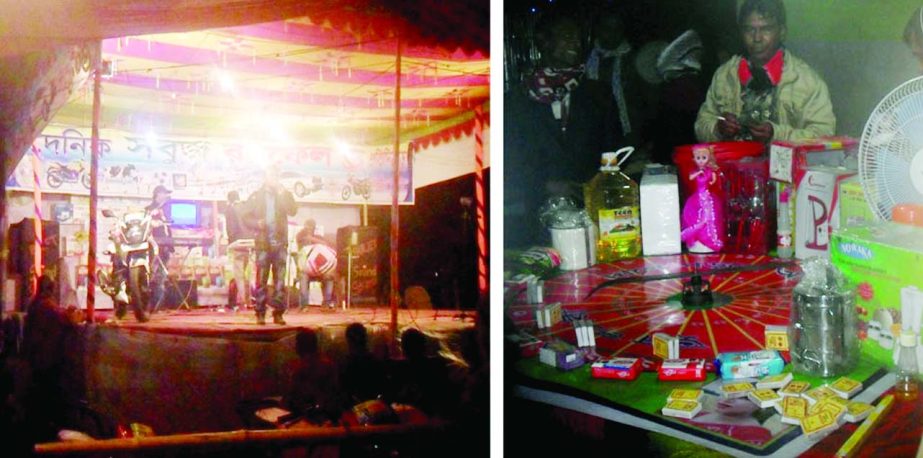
[(613, 202), (907, 386)]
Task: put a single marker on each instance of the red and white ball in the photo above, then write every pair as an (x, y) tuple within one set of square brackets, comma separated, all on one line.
[(318, 260)]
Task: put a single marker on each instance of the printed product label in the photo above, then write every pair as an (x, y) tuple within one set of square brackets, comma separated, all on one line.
[(619, 223)]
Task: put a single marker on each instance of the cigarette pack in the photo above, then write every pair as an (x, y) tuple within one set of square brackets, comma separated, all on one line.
[(795, 388), (775, 382), (818, 394), (665, 346), (681, 394), (776, 337), (682, 369), (527, 343), (548, 315), (846, 387), (561, 355), (586, 337), (857, 411), (818, 425), (749, 364), (764, 397), (793, 409), (736, 389), (617, 368), (681, 409)]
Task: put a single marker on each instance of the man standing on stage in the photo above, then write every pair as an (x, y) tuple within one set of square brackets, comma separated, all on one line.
[(164, 238), (270, 206)]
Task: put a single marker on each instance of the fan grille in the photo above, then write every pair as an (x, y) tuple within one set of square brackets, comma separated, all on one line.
[(891, 140)]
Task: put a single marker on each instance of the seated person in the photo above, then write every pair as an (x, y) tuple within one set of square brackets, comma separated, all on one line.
[(362, 375), (306, 237), (313, 388), (769, 94), (422, 381)]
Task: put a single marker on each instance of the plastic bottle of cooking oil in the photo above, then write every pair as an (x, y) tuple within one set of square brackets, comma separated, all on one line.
[(614, 204)]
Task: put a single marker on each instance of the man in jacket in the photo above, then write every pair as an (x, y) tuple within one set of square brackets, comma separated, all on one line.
[(269, 207), (769, 94)]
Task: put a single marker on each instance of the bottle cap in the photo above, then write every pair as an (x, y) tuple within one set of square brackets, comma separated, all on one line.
[(908, 339)]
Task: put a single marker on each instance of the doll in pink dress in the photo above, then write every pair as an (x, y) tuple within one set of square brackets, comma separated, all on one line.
[(703, 214)]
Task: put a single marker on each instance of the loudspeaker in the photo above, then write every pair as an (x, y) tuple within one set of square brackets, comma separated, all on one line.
[(365, 264), (179, 292), (21, 240)]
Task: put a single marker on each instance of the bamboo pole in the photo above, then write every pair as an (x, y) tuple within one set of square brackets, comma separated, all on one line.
[(481, 199), (94, 192), (297, 435), (395, 218)]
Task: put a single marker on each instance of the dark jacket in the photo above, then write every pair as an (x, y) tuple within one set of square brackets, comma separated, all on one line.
[(162, 232), (234, 223), (255, 216)]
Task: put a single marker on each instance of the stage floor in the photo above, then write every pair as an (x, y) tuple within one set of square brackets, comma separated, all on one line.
[(213, 320)]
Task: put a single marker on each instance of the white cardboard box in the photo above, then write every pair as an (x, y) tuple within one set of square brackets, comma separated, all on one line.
[(660, 225), (817, 209)]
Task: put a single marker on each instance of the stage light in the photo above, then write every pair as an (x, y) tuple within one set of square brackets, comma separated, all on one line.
[(224, 80), (343, 149), (151, 139)]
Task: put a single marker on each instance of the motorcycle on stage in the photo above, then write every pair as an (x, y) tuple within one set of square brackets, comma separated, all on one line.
[(132, 249)]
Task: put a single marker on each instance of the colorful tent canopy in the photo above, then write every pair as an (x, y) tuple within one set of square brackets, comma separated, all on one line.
[(324, 69)]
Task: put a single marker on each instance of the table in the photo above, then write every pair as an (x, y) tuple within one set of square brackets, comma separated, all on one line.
[(752, 292)]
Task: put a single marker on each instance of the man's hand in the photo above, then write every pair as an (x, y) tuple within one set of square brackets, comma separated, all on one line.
[(761, 132), (729, 127)]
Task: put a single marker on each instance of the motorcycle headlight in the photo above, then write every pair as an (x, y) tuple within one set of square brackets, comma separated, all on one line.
[(134, 234)]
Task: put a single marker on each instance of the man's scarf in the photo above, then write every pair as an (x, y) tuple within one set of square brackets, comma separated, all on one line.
[(592, 71), (552, 86), (761, 78)]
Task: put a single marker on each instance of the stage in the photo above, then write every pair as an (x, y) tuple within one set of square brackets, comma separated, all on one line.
[(187, 370)]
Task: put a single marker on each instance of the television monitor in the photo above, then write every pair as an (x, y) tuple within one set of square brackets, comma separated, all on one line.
[(184, 214)]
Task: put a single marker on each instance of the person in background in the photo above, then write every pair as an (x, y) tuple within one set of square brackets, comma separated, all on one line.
[(313, 386), (423, 381), (557, 123), (768, 94), (49, 341), (307, 237), (913, 35), (362, 376), (163, 235), (240, 257), (269, 207)]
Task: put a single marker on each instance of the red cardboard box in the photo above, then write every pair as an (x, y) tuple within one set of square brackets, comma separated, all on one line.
[(682, 369), (617, 368), (789, 160)]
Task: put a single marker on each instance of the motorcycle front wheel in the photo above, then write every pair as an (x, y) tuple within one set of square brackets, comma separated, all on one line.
[(85, 180), (346, 192), (138, 287), (54, 180)]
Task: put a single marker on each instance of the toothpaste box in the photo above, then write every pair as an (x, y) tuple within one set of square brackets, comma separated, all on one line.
[(748, 364)]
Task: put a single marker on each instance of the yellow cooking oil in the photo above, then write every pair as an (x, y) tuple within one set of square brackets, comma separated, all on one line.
[(613, 202)]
